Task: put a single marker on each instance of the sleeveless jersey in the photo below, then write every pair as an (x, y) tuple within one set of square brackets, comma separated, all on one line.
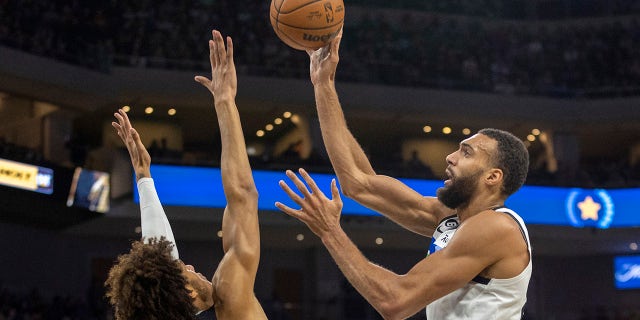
[(481, 298)]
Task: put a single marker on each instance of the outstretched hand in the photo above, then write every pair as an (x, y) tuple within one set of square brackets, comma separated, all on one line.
[(223, 69), (324, 61), (319, 213), (140, 158)]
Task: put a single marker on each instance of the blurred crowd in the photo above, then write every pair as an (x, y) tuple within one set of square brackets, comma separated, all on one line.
[(9, 150), (515, 9), (593, 58), (32, 305)]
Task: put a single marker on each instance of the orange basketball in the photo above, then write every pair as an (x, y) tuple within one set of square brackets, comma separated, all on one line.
[(307, 24)]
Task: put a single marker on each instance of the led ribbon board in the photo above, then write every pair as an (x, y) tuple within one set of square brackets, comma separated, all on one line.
[(597, 208), (25, 176)]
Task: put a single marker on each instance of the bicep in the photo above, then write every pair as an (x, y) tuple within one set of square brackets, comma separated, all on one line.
[(400, 203), (445, 271)]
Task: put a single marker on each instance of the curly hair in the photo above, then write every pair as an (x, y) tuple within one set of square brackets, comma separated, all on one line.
[(512, 158), (147, 283)]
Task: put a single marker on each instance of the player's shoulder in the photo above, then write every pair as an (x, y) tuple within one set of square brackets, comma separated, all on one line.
[(493, 224)]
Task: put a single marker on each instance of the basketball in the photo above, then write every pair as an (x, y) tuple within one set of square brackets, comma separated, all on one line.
[(307, 24)]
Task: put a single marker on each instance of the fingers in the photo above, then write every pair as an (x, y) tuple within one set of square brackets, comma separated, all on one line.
[(211, 55), (117, 127), (312, 184), (288, 210), (335, 193), (229, 50), (335, 44), (310, 52), (124, 121), (120, 125), (141, 151), (218, 47), (298, 183), (203, 80), (294, 196)]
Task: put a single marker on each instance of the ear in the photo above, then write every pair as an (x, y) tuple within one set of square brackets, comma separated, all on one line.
[(192, 292), (494, 177)]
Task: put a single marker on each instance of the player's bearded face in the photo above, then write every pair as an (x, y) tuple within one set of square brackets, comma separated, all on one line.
[(460, 191)]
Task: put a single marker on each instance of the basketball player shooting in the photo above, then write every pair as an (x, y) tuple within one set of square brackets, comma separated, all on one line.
[(479, 262), (150, 282)]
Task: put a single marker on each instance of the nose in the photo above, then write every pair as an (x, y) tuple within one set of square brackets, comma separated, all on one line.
[(450, 158)]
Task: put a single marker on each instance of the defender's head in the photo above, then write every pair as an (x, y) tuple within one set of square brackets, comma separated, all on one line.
[(148, 283)]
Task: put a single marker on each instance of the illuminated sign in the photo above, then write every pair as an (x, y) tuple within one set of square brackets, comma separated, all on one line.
[(596, 208), (590, 208), (89, 190), (627, 272), (26, 176)]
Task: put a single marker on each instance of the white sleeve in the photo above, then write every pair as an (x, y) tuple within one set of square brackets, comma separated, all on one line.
[(154, 222)]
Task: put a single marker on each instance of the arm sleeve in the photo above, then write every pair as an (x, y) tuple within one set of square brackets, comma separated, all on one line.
[(154, 222)]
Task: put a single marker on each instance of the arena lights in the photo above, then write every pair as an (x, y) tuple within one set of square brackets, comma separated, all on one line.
[(536, 132), (171, 112), (447, 130), (219, 233), (633, 246), (148, 110), (294, 118), (531, 138), (300, 237), (126, 108), (379, 241)]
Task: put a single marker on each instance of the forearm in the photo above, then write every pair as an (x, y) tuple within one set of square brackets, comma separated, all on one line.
[(237, 179), (345, 153), (373, 282), (153, 220)]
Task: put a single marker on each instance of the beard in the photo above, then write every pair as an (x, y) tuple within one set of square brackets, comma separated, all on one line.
[(459, 192)]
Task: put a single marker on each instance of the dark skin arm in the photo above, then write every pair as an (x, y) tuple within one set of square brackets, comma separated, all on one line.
[(235, 277)]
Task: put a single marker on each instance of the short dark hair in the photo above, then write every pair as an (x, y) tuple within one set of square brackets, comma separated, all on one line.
[(512, 157), (147, 283)]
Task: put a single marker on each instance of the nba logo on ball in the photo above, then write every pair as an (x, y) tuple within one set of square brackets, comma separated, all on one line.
[(300, 23)]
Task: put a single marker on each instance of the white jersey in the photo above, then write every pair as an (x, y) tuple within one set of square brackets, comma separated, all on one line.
[(481, 298)]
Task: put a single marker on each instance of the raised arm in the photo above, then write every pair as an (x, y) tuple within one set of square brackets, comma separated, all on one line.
[(357, 178), (236, 273), (153, 220)]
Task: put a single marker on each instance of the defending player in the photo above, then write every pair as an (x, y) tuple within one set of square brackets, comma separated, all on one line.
[(150, 282)]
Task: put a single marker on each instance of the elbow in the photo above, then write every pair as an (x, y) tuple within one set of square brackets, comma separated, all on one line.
[(242, 193), (353, 186), (391, 310)]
